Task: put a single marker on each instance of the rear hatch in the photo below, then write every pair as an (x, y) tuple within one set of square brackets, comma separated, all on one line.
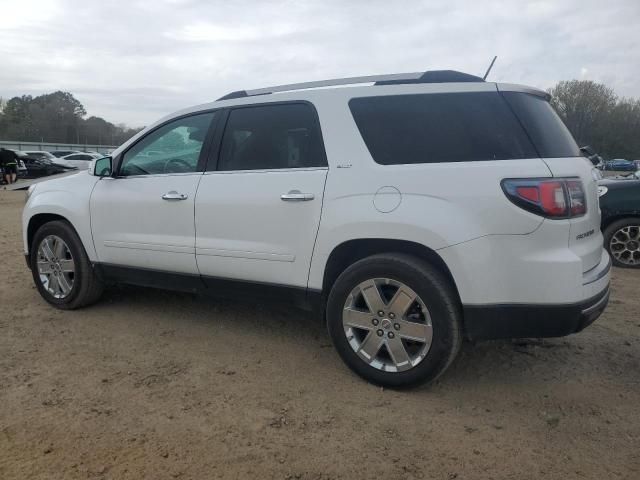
[(585, 239), (557, 148)]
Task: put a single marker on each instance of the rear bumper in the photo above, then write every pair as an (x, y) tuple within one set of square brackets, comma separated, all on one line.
[(486, 322)]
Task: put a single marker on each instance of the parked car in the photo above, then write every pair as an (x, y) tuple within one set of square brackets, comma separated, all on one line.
[(38, 166), (63, 153), (81, 160), (620, 165), (620, 205), (42, 155), (411, 212), (95, 154)]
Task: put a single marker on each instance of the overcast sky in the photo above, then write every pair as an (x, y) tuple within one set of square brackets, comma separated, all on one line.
[(135, 61)]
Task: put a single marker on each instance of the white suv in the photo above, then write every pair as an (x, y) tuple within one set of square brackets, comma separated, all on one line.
[(412, 210)]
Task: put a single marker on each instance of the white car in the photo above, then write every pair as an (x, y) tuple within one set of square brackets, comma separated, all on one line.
[(80, 160), (49, 157), (411, 211)]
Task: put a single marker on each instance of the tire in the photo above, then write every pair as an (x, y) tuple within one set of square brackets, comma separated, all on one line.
[(436, 301), (85, 286), (624, 254)]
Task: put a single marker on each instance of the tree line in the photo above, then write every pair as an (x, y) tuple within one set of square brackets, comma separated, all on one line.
[(594, 114), (57, 117)]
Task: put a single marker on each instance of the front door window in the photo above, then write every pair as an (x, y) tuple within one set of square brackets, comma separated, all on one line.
[(172, 148)]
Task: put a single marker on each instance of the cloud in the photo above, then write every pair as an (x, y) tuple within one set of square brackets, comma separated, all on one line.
[(137, 60)]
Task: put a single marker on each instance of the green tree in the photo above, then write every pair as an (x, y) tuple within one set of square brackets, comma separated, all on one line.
[(57, 117), (596, 116)]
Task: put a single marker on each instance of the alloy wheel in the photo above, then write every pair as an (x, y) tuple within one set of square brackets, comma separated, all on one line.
[(625, 245), (56, 267), (387, 324)]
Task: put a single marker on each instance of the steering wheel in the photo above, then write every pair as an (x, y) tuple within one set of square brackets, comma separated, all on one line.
[(182, 166)]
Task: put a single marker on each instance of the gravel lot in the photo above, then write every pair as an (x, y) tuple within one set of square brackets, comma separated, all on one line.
[(153, 384)]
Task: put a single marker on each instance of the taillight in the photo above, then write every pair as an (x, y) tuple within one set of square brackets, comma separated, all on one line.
[(553, 198), (577, 200)]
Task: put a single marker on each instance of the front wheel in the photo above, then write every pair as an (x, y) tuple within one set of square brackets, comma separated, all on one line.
[(395, 320), (61, 269), (622, 240)]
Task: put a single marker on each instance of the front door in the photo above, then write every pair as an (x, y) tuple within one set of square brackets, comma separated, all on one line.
[(258, 211), (144, 217)]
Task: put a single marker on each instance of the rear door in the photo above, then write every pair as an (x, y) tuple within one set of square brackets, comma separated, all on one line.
[(559, 151), (258, 207)]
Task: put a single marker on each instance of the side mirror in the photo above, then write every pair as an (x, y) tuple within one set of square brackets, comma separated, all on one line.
[(101, 167)]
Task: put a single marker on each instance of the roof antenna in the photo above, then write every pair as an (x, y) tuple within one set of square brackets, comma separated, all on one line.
[(490, 67)]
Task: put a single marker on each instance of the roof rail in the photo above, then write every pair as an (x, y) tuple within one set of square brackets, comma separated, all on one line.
[(434, 76)]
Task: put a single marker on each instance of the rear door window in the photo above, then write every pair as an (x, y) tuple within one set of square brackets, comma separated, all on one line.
[(272, 137), (441, 127)]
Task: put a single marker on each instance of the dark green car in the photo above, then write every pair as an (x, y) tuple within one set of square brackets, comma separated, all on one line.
[(620, 205)]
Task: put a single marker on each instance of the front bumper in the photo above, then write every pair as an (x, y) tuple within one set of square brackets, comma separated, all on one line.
[(487, 322)]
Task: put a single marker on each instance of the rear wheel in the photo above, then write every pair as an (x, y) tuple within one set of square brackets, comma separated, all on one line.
[(61, 269), (622, 240), (394, 320)]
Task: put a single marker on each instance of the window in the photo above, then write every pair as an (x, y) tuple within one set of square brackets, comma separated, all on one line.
[(547, 131), (440, 127), (79, 157), (172, 148), (271, 137)]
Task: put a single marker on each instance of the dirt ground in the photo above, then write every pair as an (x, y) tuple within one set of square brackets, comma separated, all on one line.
[(153, 384)]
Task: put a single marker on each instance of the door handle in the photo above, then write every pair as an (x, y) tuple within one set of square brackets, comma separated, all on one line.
[(173, 195), (296, 196)]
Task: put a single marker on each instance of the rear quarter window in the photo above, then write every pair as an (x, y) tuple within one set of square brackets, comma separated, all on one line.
[(549, 134), (441, 127)]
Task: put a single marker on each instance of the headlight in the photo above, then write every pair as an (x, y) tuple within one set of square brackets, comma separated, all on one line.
[(602, 190)]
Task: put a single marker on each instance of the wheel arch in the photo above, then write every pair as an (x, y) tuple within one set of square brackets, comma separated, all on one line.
[(351, 251), (614, 218), (38, 220)]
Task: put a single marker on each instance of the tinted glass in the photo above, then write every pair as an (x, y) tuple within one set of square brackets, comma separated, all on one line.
[(547, 131), (433, 128), (270, 137), (172, 148)]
